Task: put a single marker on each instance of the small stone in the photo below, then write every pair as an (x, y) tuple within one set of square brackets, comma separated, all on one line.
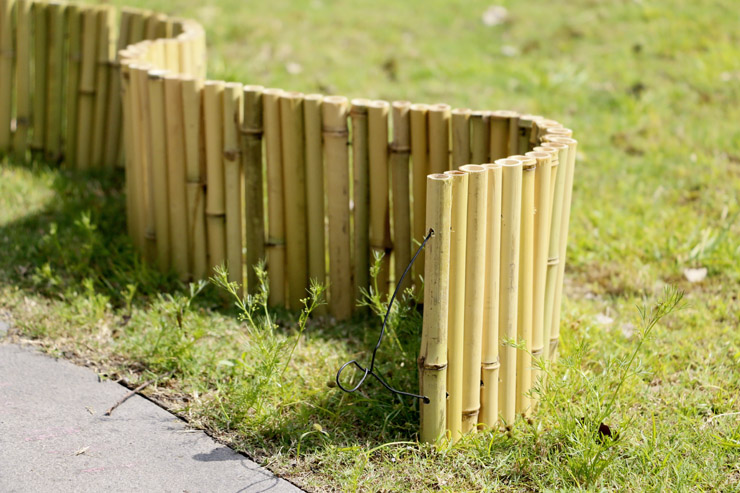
[(695, 275)]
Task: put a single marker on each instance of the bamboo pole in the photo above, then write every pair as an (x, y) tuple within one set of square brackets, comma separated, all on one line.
[(105, 54), (513, 135), (380, 218), (195, 175), (86, 92), (22, 78), (399, 163), (525, 303), (55, 73), (540, 129), (475, 271), (136, 25), (490, 363), (126, 111), (439, 138), (40, 57), (7, 56), (456, 306), (525, 127), (158, 164), (176, 189), (214, 152), (361, 195), (420, 169), (315, 190), (460, 123), (563, 246), (334, 115), (233, 115), (172, 55), (138, 165), (113, 124), (275, 245), (433, 353), (480, 137), (500, 129), (254, 211), (558, 132), (557, 180), (74, 61), (294, 204), (510, 224)]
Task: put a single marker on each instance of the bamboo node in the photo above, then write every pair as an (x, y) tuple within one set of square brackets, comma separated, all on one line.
[(337, 131), (491, 366), (400, 149), (439, 367), (538, 351), (87, 92), (215, 214), (252, 130), (231, 154), (275, 243), (553, 261), (471, 413)]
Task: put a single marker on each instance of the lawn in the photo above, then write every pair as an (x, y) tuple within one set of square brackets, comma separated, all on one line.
[(652, 91)]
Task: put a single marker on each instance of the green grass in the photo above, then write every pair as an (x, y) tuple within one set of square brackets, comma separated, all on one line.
[(652, 90)]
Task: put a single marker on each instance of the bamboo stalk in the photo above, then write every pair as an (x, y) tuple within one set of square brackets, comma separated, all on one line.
[(74, 60), (433, 353), (55, 73), (475, 276), (399, 163), (513, 135), (158, 172), (136, 25), (136, 183), (525, 303), (22, 78), (86, 92), (334, 115), (294, 184), (480, 137), (146, 163), (361, 195), (490, 364), (315, 189), (40, 57), (105, 53), (500, 130), (7, 56), (420, 169), (214, 152), (510, 224), (563, 247), (172, 55), (195, 176), (456, 307), (113, 128), (525, 128), (176, 189), (233, 115), (460, 123), (275, 245), (439, 138), (380, 218), (254, 211), (130, 184)]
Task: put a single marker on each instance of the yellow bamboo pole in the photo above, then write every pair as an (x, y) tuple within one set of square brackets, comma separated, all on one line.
[(176, 189), (513, 135), (380, 218), (420, 169), (500, 130), (158, 164), (460, 123), (563, 246), (136, 25), (510, 224), (195, 175), (215, 203), (334, 115), (456, 307), (275, 245), (439, 138), (74, 59), (433, 353), (525, 304), (55, 73), (40, 57), (294, 203), (525, 127), (6, 72), (475, 272), (172, 55), (233, 114), (105, 53), (86, 91), (480, 137), (315, 189), (139, 159), (22, 78), (254, 211), (399, 163), (540, 129), (490, 364), (113, 129), (361, 195)]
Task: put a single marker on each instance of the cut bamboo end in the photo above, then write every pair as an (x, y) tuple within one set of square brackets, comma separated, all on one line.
[(480, 137), (380, 218), (401, 190), (439, 138), (460, 123), (315, 210), (433, 353), (361, 197), (275, 245), (419, 171)]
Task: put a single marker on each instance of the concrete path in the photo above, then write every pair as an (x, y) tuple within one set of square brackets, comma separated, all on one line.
[(54, 437)]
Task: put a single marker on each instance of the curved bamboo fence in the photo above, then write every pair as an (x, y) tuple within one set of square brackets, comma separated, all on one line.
[(224, 173)]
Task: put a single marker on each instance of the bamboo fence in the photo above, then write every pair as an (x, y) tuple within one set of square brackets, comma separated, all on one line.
[(317, 187)]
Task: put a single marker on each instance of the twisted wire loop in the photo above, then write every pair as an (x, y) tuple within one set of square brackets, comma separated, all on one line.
[(370, 371)]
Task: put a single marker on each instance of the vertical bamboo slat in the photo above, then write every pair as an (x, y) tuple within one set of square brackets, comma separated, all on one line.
[(74, 62), (105, 50), (6, 72), (480, 137), (439, 138), (86, 91), (233, 183), (419, 171), (22, 77), (456, 310), (334, 115), (158, 163), (315, 189), (40, 57), (433, 353), (460, 123), (254, 211), (361, 195), (275, 245), (113, 111), (55, 73), (214, 152), (380, 219), (500, 130), (399, 163), (294, 186), (137, 159)]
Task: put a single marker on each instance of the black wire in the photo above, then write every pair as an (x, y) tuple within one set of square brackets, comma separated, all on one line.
[(369, 371)]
